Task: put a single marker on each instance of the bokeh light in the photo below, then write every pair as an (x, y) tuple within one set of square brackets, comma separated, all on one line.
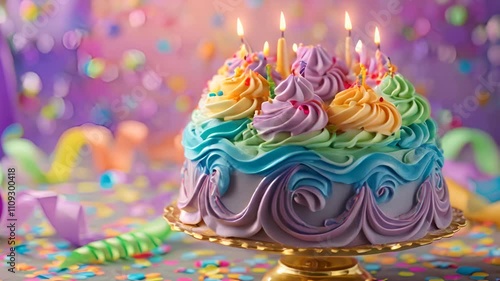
[(137, 18), (31, 84), (72, 39), (28, 10), (457, 15), (133, 59)]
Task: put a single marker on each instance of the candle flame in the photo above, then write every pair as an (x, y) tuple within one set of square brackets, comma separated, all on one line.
[(239, 28), (265, 50), (295, 47), (347, 24), (359, 47), (282, 22), (377, 36)]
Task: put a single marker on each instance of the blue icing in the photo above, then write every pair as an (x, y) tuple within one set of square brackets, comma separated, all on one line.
[(216, 128), (416, 134), (382, 172)]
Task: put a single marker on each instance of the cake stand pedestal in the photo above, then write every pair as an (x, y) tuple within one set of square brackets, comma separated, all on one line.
[(312, 264)]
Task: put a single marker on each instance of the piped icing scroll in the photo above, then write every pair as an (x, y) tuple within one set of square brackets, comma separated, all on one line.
[(295, 110), (328, 76), (239, 96), (398, 90), (359, 108)]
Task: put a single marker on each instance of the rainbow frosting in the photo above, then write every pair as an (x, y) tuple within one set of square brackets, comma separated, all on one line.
[(313, 159)]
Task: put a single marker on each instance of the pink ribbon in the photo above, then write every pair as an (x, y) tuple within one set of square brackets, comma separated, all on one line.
[(67, 218)]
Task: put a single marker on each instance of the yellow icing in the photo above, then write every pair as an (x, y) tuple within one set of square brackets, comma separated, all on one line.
[(360, 108), (242, 94)]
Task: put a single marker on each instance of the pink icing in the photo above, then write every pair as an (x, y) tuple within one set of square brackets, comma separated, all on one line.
[(327, 75), (295, 110)]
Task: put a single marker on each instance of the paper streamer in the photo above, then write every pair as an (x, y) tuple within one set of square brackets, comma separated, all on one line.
[(7, 86), (107, 155), (474, 206), (67, 218), (29, 157), (486, 154), (117, 154), (123, 246), (464, 173), (168, 148)]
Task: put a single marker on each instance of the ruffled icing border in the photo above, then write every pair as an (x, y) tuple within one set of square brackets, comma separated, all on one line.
[(272, 209)]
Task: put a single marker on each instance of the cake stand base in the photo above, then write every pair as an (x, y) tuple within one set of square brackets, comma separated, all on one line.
[(312, 264), (316, 268)]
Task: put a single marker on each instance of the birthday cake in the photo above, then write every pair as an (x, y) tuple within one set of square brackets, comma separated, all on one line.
[(316, 158)]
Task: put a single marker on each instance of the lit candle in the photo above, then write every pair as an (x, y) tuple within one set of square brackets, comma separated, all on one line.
[(265, 50), (378, 53), (348, 40), (360, 49), (295, 48), (282, 59), (241, 33)]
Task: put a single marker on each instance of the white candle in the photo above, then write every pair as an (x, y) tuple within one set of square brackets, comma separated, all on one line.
[(361, 50), (378, 53), (348, 40)]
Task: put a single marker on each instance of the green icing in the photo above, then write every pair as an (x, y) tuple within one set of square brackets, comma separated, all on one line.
[(250, 142), (413, 107), (361, 139)]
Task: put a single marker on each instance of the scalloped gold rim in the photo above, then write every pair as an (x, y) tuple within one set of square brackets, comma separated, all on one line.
[(202, 232)]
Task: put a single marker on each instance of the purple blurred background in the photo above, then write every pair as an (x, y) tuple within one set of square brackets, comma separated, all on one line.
[(79, 61)]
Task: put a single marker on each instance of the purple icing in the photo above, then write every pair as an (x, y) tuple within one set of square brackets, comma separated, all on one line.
[(257, 63), (295, 110), (277, 212), (327, 76), (362, 218), (233, 63), (464, 173)]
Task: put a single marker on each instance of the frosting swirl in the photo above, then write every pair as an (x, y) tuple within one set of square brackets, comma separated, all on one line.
[(258, 63), (362, 139), (327, 76), (417, 134), (239, 96), (295, 110), (250, 141), (359, 108), (255, 61), (398, 90)]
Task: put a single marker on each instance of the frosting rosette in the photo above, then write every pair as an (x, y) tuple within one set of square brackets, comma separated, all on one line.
[(295, 110), (255, 61), (239, 96), (258, 63), (360, 108), (327, 76), (398, 90)]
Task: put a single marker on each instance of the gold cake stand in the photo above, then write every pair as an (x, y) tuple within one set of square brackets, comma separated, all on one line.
[(312, 264)]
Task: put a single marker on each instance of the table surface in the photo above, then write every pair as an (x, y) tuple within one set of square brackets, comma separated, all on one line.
[(473, 254)]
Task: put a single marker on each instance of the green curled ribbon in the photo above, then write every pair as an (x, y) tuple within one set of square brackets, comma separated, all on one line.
[(486, 154), (125, 245)]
